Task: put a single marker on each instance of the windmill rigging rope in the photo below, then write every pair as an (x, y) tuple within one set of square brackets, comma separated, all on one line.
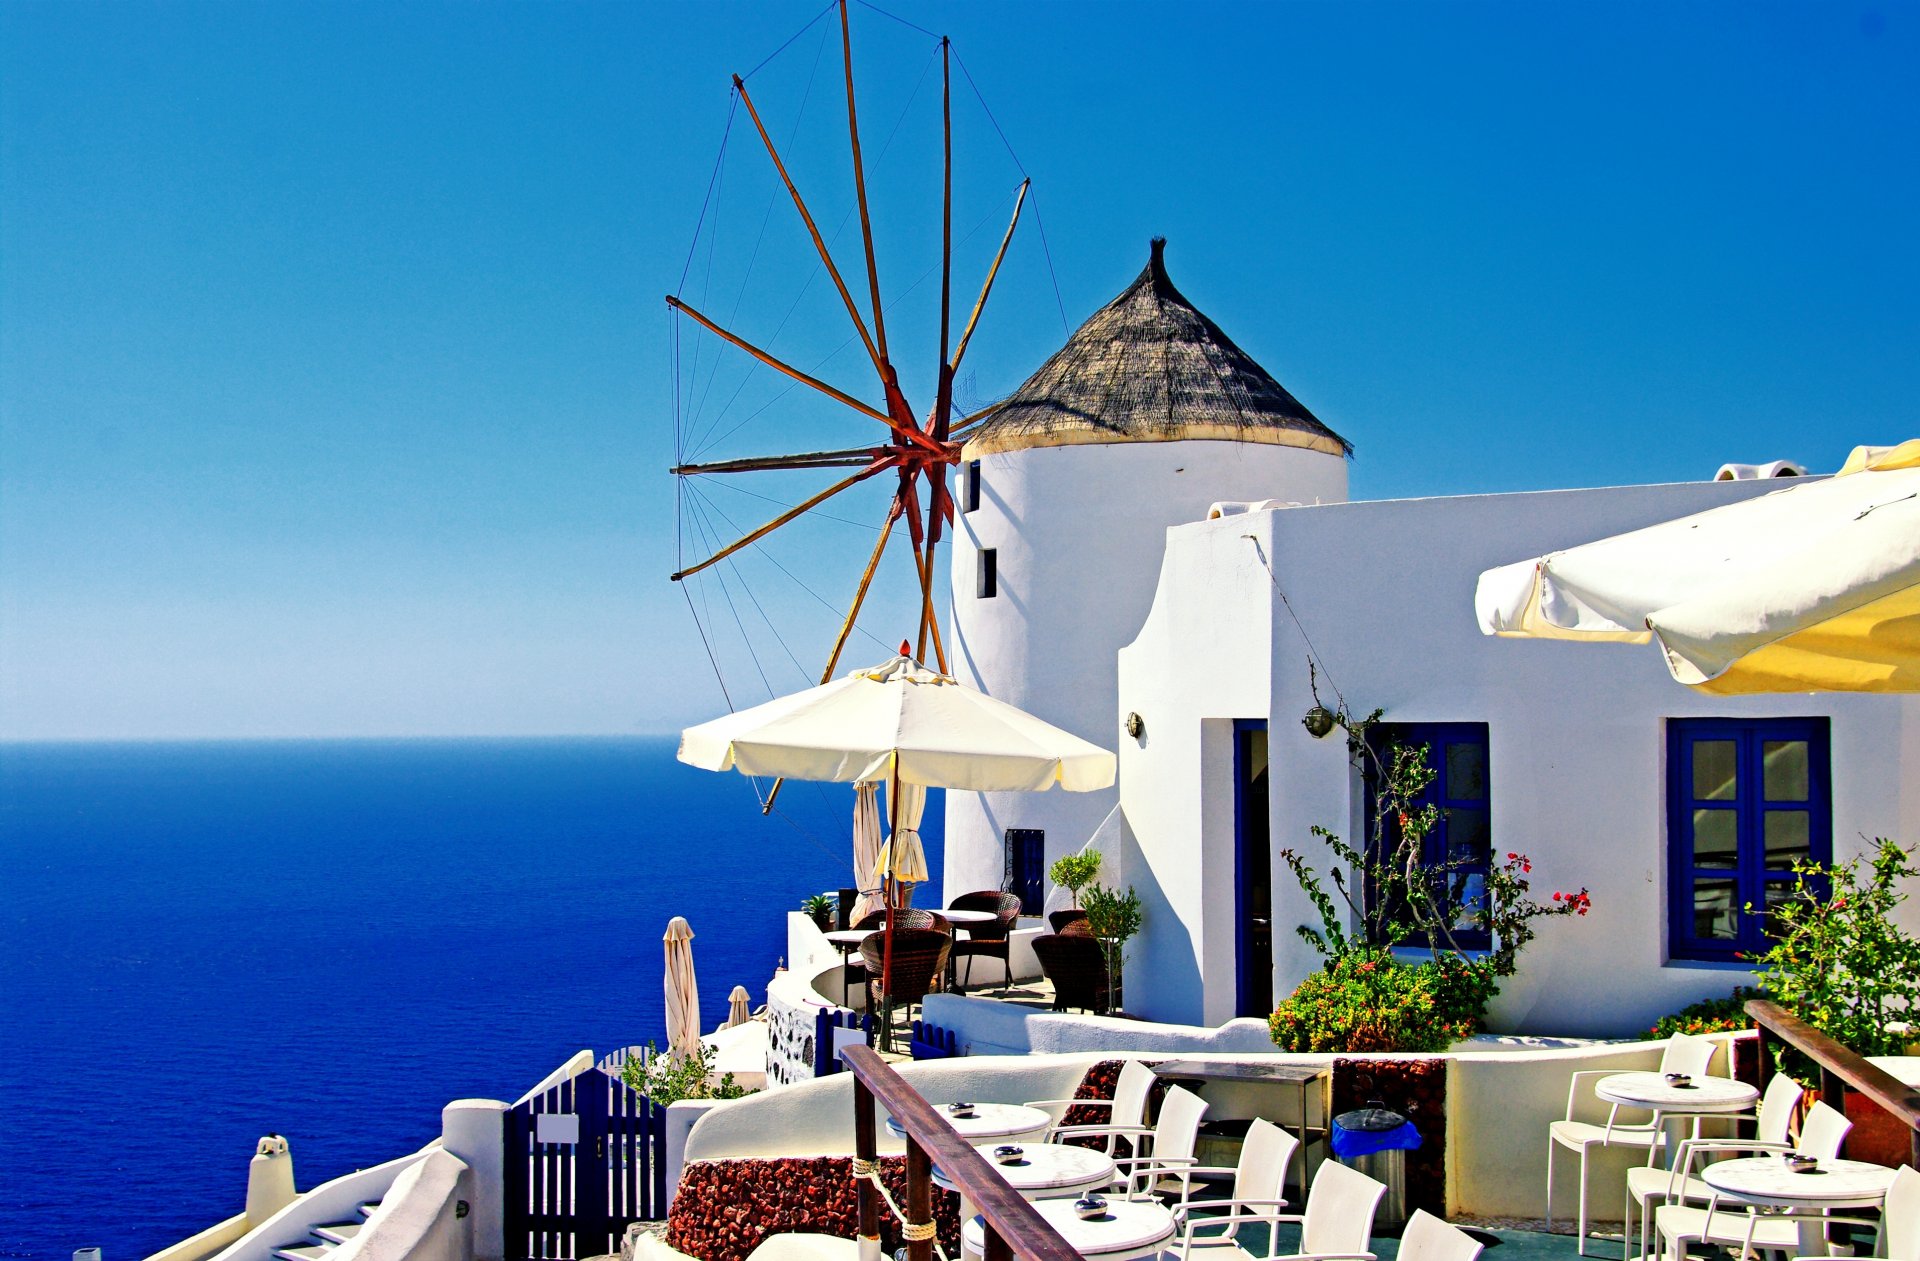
[(835, 353), (700, 442)]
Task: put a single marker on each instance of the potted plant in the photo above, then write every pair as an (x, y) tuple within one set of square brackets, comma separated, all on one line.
[(1074, 872), (820, 908), (1114, 918)]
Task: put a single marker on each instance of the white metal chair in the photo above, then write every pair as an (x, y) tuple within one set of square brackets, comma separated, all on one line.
[(1738, 1227), (1259, 1185), (1590, 1123), (1427, 1238), (1336, 1226), (1650, 1185), (1899, 1218), (1170, 1148), (1126, 1111)]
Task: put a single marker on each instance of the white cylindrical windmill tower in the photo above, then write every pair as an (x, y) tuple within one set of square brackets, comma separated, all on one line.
[(1145, 418)]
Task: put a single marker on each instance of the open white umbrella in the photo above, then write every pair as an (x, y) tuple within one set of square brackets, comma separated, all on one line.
[(739, 1010), (904, 725), (899, 720), (1811, 588), (683, 994)]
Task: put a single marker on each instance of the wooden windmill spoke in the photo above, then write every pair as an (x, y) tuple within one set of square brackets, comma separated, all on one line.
[(860, 190), (987, 288), (879, 362), (943, 400), (778, 366), (846, 627), (851, 457), (795, 511)]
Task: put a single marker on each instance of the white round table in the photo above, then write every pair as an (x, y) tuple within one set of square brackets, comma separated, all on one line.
[(850, 938), (968, 919), (1654, 1091), (1130, 1228), (989, 1120), (1766, 1181), (1048, 1170)]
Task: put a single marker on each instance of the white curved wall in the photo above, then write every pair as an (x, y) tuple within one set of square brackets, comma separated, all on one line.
[(1079, 532)]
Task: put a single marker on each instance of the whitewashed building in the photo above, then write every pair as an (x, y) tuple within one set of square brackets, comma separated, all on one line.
[(1127, 587)]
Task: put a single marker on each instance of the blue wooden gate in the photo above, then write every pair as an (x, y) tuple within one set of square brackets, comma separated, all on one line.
[(584, 1158)]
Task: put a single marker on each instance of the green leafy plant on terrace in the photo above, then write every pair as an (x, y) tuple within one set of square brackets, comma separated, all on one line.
[(1074, 872), (1709, 1015), (1839, 962), (1395, 897), (819, 908), (1114, 918), (666, 1079)]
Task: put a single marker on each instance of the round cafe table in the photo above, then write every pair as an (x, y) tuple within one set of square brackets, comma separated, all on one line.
[(1129, 1228), (1048, 1169), (968, 919), (1670, 1103), (1767, 1182), (849, 938), (1654, 1091), (989, 1120)]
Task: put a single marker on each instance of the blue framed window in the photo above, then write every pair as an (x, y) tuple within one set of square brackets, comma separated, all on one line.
[(1026, 865), (1458, 853), (1745, 798)]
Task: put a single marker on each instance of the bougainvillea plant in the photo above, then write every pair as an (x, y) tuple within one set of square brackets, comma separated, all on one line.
[(1396, 896)]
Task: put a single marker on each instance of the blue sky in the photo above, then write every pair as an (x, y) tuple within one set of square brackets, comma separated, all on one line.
[(337, 392)]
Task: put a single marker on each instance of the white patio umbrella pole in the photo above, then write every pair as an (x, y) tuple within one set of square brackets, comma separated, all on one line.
[(890, 890)]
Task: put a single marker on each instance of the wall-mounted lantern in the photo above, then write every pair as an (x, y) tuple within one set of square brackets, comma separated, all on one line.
[(1318, 722), (1136, 726)]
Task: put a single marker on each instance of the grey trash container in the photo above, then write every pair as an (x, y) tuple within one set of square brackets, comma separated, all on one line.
[(1375, 1142)]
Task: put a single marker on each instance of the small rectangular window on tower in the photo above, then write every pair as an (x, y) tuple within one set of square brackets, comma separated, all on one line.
[(971, 497), (989, 574)]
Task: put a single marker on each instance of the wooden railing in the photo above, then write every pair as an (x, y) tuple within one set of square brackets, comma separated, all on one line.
[(1839, 1068), (1013, 1229)]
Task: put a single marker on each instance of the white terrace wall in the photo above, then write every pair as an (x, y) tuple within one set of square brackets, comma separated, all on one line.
[(1078, 532), (1384, 591)]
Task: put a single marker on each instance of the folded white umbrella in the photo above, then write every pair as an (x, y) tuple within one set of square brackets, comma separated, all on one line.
[(683, 994), (867, 844), (739, 1009), (899, 720), (903, 857), (1812, 588)]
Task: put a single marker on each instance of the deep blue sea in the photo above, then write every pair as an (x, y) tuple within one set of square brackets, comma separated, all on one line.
[(201, 943)]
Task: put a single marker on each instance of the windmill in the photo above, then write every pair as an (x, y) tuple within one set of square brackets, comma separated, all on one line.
[(915, 448)]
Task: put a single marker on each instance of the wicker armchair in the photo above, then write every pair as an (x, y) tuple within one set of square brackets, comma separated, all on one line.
[(1060, 919), (905, 917), (1076, 963), (989, 940), (919, 962)]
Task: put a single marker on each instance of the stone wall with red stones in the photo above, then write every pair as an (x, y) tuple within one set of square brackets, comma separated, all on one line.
[(725, 1208)]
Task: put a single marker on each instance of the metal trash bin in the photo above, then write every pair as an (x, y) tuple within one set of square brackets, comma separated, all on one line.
[(1375, 1142)]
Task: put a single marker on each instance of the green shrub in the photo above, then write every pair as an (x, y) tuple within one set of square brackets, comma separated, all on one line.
[(1074, 872), (666, 1079), (1374, 1002), (1839, 960), (1709, 1015)]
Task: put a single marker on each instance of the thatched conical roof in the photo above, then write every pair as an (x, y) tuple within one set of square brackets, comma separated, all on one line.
[(1149, 367)]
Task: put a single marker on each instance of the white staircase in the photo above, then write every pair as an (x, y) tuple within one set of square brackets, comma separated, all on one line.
[(324, 1239)]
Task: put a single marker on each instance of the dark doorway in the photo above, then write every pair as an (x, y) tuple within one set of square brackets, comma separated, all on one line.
[(1253, 870)]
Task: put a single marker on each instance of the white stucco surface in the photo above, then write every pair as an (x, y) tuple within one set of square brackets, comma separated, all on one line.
[(1078, 533), (1384, 592), (986, 1026)]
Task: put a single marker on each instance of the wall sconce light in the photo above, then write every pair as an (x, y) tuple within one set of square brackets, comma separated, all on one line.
[(1318, 722), (1136, 726)]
